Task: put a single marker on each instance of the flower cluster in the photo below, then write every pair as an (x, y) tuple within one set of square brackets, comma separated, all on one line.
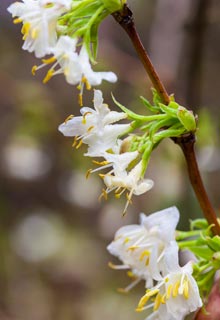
[(125, 151), (59, 28), (150, 251), (97, 129)]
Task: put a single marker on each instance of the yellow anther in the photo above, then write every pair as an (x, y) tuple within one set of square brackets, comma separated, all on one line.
[(33, 70), (49, 60), (103, 195), (145, 253), (79, 87), (139, 309), (80, 99), (117, 195), (126, 240), (90, 128), (146, 297), (131, 275), (88, 173), (84, 117), (122, 290), (84, 80), (112, 265), (132, 248), (34, 34), (100, 163), (48, 5), (163, 298), (74, 142), (25, 30), (79, 144), (128, 197), (48, 76), (186, 289), (176, 288), (17, 20), (69, 118), (169, 291), (157, 301), (66, 71)]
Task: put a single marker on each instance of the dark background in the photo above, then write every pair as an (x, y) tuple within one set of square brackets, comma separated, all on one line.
[(53, 231)]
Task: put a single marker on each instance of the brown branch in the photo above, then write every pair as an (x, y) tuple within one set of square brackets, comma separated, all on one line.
[(187, 145), (125, 19)]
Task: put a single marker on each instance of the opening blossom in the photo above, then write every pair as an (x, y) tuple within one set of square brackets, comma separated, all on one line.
[(176, 294), (95, 127), (151, 252), (141, 247)]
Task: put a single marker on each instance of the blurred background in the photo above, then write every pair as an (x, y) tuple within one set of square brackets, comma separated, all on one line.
[(53, 230)]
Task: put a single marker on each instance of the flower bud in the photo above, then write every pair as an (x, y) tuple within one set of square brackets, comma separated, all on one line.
[(187, 118)]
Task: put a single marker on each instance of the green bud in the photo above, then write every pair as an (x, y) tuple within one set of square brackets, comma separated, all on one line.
[(114, 5), (187, 118)]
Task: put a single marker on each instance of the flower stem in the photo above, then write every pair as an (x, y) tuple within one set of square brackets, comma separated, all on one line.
[(186, 142)]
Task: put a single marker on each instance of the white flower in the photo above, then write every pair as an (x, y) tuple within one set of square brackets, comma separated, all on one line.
[(95, 127), (176, 294), (141, 247), (39, 18), (75, 67), (122, 180), (93, 78), (65, 60)]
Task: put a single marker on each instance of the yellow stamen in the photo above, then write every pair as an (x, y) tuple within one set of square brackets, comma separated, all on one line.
[(163, 299), (112, 265), (84, 80), (79, 144), (122, 290), (186, 289), (132, 248), (100, 163), (34, 34), (146, 297), (88, 173), (25, 30), (103, 195), (131, 275), (17, 20), (169, 291), (176, 288), (49, 60), (48, 76), (84, 117), (33, 70), (157, 301), (69, 118), (145, 253), (128, 197), (74, 142), (80, 99), (126, 240), (66, 71), (90, 128)]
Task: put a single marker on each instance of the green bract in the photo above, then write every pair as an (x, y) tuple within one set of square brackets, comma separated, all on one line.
[(84, 18), (167, 121)]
